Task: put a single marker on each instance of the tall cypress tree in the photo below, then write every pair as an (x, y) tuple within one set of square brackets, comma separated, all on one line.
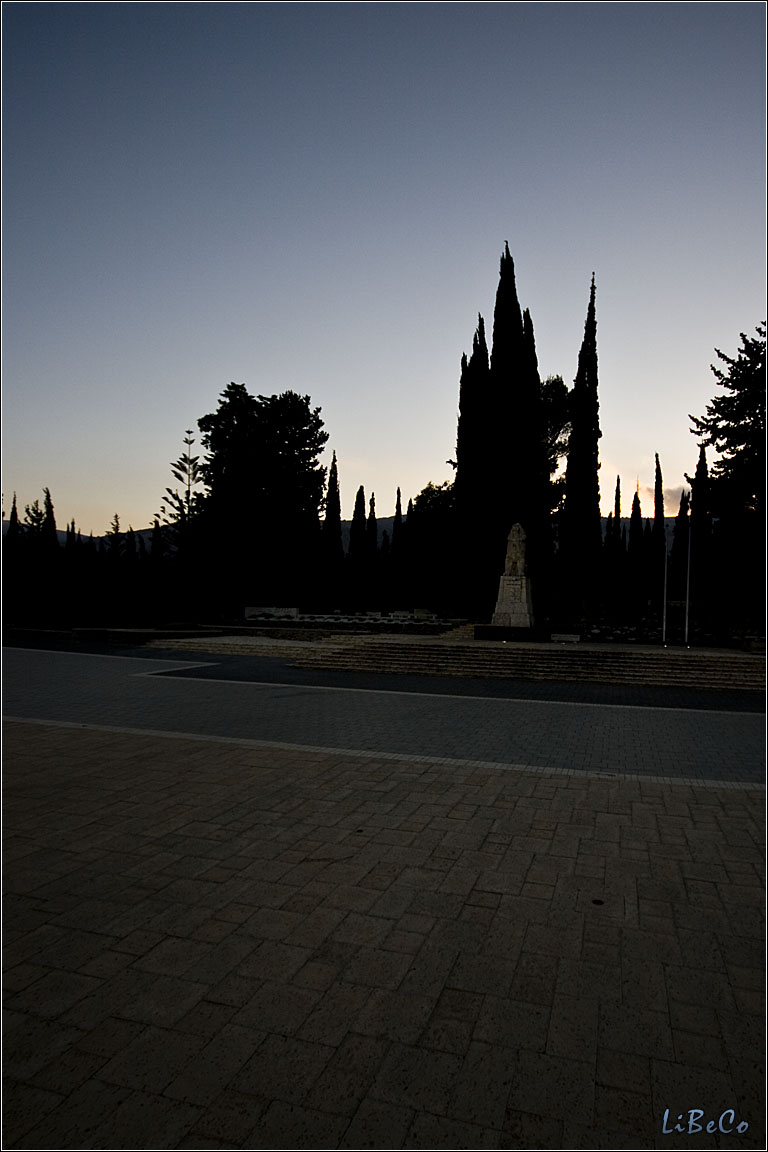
[(533, 504), (614, 557), (701, 509), (510, 366), (700, 527), (659, 531), (581, 538), (333, 547), (658, 550), (49, 536), (678, 560), (476, 476), (371, 531), (356, 554), (502, 451), (397, 525), (471, 430), (635, 557), (357, 527), (636, 529), (14, 531)]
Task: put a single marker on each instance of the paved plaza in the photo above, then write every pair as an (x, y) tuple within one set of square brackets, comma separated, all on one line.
[(259, 914)]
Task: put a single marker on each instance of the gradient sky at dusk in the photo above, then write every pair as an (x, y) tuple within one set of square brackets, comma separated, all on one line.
[(316, 196)]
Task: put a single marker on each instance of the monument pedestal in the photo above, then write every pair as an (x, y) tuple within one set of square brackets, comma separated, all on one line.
[(513, 617), (513, 604)]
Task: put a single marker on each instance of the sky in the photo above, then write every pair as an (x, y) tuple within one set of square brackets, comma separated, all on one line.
[(315, 197)]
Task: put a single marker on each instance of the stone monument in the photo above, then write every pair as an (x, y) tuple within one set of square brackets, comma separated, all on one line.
[(513, 605)]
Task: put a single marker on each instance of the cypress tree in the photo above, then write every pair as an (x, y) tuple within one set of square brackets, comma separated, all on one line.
[(476, 476), (49, 535), (157, 544), (581, 539), (659, 535), (502, 451), (356, 555), (701, 509), (535, 501), (397, 525), (357, 529), (612, 542), (332, 542), (508, 416), (614, 550), (658, 550), (14, 530), (636, 529), (700, 528), (678, 560), (371, 531)]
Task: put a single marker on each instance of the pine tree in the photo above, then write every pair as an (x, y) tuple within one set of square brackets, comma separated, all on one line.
[(735, 426), (581, 537), (115, 537), (34, 517), (188, 471)]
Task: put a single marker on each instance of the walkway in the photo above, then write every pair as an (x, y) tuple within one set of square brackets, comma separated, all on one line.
[(248, 915)]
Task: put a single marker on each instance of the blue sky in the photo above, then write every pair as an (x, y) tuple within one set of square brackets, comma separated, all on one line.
[(315, 197)]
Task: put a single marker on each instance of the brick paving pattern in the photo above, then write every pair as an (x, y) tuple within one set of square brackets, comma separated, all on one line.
[(225, 943)]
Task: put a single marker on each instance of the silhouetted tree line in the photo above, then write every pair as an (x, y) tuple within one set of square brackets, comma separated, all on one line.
[(257, 519)]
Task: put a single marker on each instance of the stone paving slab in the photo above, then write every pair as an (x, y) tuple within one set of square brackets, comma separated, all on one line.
[(132, 693), (225, 944)]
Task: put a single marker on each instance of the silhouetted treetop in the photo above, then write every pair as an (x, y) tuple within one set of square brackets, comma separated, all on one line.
[(734, 424), (266, 447)]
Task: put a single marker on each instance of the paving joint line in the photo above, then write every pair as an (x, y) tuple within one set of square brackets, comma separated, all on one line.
[(169, 673), (364, 753)]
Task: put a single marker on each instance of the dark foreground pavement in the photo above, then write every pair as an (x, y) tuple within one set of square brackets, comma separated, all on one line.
[(223, 940)]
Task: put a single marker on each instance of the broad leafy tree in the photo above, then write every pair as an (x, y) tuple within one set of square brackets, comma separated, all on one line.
[(265, 488)]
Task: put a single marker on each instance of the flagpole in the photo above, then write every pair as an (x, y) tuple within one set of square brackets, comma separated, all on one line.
[(688, 579), (664, 608)]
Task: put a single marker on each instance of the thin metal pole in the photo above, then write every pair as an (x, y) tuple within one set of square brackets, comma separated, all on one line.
[(664, 609), (688, 578)]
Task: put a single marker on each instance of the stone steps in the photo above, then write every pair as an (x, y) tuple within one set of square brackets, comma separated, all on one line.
[(713, 670)]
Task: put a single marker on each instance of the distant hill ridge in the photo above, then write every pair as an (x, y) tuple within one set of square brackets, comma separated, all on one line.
[(383, 523)]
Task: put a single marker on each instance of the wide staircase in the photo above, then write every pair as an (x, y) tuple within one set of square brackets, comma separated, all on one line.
[(707, 669)]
